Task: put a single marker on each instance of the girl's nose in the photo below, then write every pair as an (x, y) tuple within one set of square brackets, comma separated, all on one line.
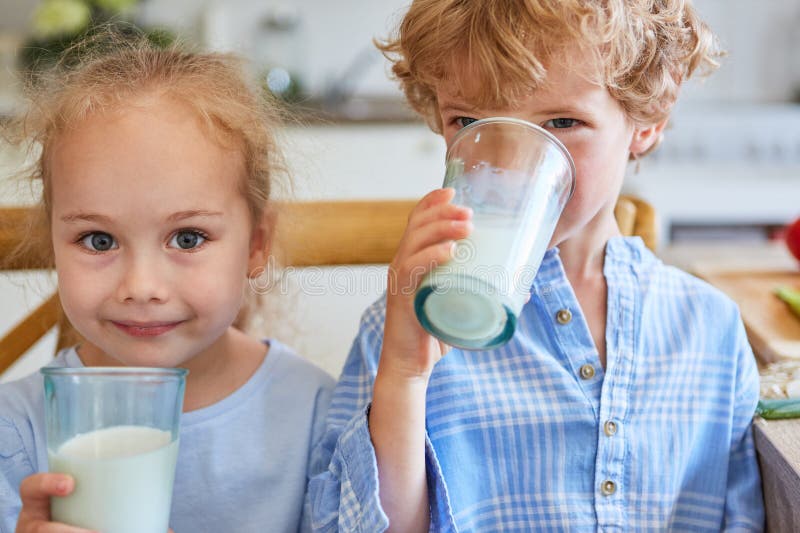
[(143, 281)]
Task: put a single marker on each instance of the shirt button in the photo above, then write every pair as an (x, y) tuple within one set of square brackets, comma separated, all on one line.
[(608, 487), (564, 317), (610, 428), (587, 371)]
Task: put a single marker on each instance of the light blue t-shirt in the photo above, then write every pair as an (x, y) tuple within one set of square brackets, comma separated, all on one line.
[(243, 461)]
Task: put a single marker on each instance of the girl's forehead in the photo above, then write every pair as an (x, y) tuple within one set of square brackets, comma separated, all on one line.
[(145, 128), (137, 147)]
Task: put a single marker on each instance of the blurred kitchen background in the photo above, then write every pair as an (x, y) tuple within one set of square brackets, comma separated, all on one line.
[(728, 170)]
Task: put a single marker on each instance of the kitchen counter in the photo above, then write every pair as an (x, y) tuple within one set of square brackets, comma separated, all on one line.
[(778, 445), (777, 441)]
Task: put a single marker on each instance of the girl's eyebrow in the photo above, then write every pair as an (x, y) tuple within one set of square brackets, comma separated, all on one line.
[(72, 218), (182, 215)]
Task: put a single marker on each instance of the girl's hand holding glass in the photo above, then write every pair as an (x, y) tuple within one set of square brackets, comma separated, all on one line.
[(35, 492)]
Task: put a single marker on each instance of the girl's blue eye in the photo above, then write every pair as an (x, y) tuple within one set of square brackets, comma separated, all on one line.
[(98, 241), (187, 239), (463, 122), (561, 123)]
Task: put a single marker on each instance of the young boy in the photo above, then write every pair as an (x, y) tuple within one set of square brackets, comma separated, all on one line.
[(625, 398)]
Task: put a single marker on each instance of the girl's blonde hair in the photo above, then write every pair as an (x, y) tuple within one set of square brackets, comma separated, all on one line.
[(645, 49), (108, 70)]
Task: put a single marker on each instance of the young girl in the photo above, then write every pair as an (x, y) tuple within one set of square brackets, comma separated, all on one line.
[(155, 169), (624, 400)]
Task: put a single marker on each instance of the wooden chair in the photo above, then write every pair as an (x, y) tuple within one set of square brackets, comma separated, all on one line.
[(637, 217), (310, 233)]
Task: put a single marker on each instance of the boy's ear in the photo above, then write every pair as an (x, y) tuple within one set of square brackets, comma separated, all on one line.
[(261, 242), (647, 138)]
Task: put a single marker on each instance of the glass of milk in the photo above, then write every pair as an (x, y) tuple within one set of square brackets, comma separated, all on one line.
[(115, 431), (517, 178)]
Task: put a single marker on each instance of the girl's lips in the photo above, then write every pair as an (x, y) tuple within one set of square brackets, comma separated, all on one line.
[(150, 329)]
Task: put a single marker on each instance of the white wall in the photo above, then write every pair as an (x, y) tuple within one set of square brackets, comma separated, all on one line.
[(15, 14), (763, 40)]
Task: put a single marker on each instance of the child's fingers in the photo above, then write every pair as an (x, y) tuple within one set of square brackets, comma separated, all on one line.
[(436, 196), (431, 234), (430, 200), (405, 277), (49, 527), (35, 490), (445, 211)]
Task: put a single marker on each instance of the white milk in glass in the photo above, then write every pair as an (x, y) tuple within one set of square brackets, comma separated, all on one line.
[(123, 479), (487, 282)]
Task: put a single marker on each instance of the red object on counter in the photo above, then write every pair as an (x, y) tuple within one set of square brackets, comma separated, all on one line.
[(792, 237)]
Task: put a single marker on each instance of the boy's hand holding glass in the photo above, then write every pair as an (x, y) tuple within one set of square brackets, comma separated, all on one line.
[(433, 227), (471, 250)]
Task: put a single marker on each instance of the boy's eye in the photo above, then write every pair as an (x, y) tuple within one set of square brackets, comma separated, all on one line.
[(561, 123), (463, 122), (187, 239), (98, 241)]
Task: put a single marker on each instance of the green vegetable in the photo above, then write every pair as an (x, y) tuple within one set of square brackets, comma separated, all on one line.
[(116, 5), (791, 297), (61, 17), (777, 409)]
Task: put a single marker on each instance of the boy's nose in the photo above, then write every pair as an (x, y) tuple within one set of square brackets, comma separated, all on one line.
[(142, 281)]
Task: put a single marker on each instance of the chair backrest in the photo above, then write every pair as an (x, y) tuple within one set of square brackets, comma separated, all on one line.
[(310, 233), (368, 232)]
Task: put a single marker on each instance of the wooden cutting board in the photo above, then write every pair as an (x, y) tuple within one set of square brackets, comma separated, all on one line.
[(773, 330)]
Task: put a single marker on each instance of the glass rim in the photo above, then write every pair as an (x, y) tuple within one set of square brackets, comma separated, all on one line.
[(114, 371), (520, 122)]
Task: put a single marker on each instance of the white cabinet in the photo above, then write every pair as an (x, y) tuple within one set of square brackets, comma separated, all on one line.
[(403, 160)]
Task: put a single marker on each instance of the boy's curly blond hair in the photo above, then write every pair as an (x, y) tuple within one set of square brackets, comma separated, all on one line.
[(644, 50)]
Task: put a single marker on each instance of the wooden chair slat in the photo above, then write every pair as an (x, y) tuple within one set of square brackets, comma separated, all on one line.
[(26, 333), (341, 233)]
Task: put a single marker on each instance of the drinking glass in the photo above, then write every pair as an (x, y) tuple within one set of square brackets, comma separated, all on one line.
[(517, 178), (115, 431)]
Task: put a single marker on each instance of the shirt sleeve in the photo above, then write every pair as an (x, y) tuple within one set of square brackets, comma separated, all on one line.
[(343, 490), (15, 465), (744, 503), (322, 402)]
